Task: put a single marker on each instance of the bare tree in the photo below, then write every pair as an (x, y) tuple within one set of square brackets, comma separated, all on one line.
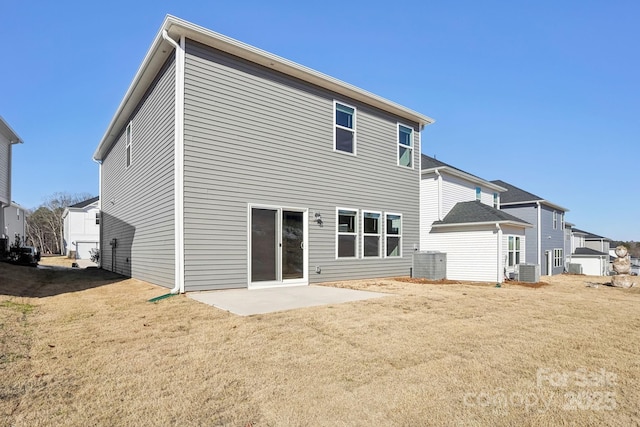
[(45, 224)]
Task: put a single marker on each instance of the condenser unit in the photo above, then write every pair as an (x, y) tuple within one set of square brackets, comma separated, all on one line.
[(529, 273)]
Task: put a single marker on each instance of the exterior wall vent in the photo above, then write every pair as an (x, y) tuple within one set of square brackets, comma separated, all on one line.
[(429, 265), (529, 273)]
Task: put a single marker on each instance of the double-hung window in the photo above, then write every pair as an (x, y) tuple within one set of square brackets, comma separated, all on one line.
[(514, 251), (496, 200), (393, 235), (371, 229), (478, 193), (128, 144), (555, 220), (97, 218), (344, 136), (347, 233), (557, 258), (405, 146)]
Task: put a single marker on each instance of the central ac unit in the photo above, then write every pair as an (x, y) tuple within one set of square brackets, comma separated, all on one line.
[(529, 273)]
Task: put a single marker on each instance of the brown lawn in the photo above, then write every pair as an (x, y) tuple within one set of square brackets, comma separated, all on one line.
[(84, 347)]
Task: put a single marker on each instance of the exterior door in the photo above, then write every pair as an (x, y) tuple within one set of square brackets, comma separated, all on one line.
[(278, 254)]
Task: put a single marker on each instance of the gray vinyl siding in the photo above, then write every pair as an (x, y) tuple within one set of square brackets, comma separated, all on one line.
[(550, 238), (528, 213), (138, 201), (253, 135), (5, 171)]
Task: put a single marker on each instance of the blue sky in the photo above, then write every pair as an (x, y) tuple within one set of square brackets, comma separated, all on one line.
[(544, 95)]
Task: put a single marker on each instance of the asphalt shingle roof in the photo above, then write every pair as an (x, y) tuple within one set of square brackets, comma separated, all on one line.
[(476, 211), (590, 235), (515, 194), (85, 203), (588, 251)]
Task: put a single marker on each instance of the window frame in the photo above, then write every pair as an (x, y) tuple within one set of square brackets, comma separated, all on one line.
[(496, 200), (555, 220), (378, 234), (479, 193), (355, 233), (337, 126), (514, 254), (386, 235), (97, 218), (400, 145), (128, 144), (558, 257)]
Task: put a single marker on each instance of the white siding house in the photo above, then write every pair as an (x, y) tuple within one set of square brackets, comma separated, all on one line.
[(460, 216), (8, 137), (82, 228)]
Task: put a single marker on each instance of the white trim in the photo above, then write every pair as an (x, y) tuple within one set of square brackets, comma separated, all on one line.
[(460, 174), (128, 145), (179, 169), (473, 224), (544, 202), (393, 235), (501, 268), (354, 130), (398, 145), (539, 248), (304, 281), (356, 233), (379, 234)]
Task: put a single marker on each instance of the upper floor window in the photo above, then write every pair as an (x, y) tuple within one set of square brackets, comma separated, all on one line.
[(405, 146), (555, 220), (562, 220), (478, 193), (128, 144), (97, 218), (344, 137), (496, 201), (393, 235), (371, 234), (347, 233)]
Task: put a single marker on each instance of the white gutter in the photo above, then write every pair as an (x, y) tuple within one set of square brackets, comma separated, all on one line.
[(100, 209), (439, 194), (539, 235), (500, 271), (178, 164)]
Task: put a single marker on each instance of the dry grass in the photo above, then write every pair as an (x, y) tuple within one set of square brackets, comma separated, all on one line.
[(82, 347)]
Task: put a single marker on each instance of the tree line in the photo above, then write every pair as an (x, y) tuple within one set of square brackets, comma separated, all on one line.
[(44, 226), (633, 247)]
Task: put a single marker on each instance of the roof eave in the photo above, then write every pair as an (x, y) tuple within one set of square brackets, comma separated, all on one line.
[(464, 175), (177, 27), (545, 202), (473, 224), (8, 131)]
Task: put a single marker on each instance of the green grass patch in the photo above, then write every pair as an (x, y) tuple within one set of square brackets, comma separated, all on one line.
[(19, 307)]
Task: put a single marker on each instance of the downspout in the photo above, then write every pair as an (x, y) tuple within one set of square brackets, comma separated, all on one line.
[(439, 195), (500, 271), (539, 235), (178, 163)]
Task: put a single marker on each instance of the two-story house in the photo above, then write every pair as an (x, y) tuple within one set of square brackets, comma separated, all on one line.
[(460, 216), (590, 251), (8, 137), (545, 241), (226, 166), (81, 228)]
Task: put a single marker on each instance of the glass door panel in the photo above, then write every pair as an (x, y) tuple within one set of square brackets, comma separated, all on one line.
[(292, 245), (264, 244)]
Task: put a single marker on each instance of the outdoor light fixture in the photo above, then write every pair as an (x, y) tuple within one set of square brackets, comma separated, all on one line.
[(318, 218)]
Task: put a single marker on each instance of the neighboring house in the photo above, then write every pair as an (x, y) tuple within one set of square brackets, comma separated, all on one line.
[(15, 225), (593, 262), (545, 241), (460, 216), (81, 228), (226, 166), (8, 137), (595, 242)]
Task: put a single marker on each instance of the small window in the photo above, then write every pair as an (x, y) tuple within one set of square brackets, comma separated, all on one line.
[(405, 146), (128, 144), (97, 218), (558, 258), (18, 213), (514, 251), (347, 233), (496, 201), (393, 234), (371, 234), (344, 137), (555, 220), (562, 220), (478, 193)]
